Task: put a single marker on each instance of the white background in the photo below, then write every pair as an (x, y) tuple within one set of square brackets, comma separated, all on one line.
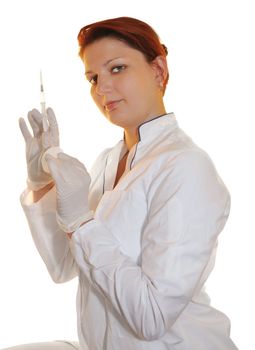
[(211, 91)]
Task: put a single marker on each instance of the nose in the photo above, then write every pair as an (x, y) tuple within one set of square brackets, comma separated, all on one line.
[(104, 85)]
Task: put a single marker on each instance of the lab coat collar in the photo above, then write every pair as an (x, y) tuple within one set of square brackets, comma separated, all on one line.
[(154, 127), (150, 133)]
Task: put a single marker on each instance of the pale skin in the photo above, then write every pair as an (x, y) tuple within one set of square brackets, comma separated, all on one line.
[(118, 72), (121, 75)]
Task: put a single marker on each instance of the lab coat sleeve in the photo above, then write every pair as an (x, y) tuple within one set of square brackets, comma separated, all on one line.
[(188, 206), (51, 243)]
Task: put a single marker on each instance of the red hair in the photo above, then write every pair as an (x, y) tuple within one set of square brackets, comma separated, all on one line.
[(135, 33)]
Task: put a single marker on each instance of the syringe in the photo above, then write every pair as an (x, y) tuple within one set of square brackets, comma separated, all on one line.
[(53, 149), (43, 104)]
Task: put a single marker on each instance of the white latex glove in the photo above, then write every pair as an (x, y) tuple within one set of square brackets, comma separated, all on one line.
[(37, 144), (72, 186)]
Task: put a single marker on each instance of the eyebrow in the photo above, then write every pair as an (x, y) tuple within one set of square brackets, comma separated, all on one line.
[(105, 64)]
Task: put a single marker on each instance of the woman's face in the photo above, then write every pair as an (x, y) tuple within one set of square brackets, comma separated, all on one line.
[(125, 87)]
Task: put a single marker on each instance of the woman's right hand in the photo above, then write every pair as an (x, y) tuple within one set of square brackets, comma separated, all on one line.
[(42, 139)]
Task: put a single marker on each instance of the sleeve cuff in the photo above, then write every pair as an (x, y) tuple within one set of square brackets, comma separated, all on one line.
[(96, 244)]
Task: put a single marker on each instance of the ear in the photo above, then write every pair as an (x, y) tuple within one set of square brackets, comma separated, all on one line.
[(159, 64)]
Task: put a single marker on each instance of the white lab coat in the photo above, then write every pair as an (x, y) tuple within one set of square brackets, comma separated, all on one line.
[(143, 261)]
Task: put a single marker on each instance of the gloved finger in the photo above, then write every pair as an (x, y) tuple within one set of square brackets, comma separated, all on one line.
[(24, 130), (51, 134), (71, 161), (46, 140), (52, 163), (53, 126), (38, 118), (72, 169), (58, 172), (67, 165), (64, 156), (56, 167), (35, 127)]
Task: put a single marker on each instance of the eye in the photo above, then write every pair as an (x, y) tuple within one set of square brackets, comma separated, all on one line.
[(117, 69), (93, 80)]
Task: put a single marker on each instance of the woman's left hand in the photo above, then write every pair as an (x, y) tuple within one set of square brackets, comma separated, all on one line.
[(72, 186)]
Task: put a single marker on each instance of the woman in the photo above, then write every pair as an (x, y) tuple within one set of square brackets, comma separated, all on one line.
[(141, 230)]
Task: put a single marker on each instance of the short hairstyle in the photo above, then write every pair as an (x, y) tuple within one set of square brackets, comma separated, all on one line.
[(135, 33)]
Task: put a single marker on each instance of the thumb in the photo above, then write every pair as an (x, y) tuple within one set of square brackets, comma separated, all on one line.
[(52, 164), (63, 156), (70, 161), (24, 130)]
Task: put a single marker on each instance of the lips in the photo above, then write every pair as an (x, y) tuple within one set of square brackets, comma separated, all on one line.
[(111, 105)]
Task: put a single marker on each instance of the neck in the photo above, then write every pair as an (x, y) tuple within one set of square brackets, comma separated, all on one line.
[(131, 137)]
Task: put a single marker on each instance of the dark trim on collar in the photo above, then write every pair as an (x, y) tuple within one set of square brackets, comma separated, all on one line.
[(130, 165), (104, 172), (147, 121)]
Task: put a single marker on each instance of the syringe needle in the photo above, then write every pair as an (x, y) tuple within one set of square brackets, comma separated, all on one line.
[(43, 104)]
